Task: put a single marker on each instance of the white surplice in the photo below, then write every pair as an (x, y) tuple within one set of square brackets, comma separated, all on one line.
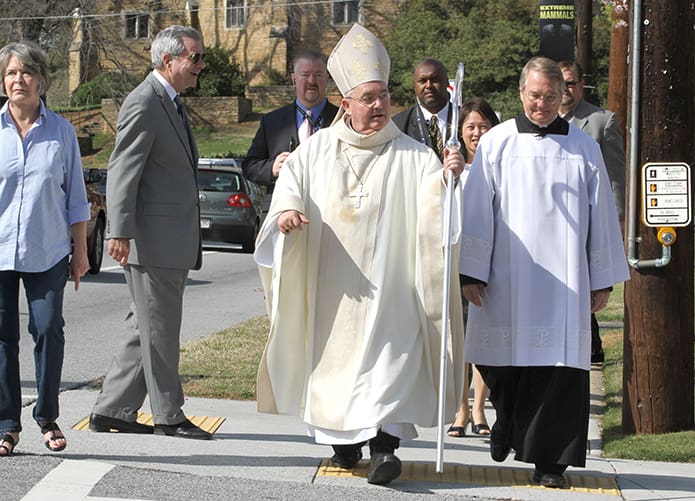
[(540, 228), (355, 297)]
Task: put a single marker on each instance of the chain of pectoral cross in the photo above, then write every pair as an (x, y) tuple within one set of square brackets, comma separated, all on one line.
[(359, 195)]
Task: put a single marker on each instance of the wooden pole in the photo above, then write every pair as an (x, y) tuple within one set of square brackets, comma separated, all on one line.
[(584, 43), (617, 72), (658, 336)]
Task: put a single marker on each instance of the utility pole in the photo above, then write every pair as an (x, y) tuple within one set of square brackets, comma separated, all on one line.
[(585, 46), (617, 72), (658, 335)]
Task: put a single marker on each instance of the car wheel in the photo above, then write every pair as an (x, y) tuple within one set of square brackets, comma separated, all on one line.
[(250, 244), (96, 253)]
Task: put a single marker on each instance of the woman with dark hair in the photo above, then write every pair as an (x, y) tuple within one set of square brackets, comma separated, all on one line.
[(43, 214), (476, 117)]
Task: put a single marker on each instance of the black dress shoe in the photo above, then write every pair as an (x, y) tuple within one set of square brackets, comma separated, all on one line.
[(383, 467), (347, 456), (186, 429), (498, 451), (552, 480), (100, 424)]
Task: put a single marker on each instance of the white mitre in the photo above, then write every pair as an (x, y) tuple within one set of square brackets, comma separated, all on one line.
[(358, 57)]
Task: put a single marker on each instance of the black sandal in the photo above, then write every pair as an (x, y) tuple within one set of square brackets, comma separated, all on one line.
[(6, 437), (456, 431), (479, 428), (52, 428)]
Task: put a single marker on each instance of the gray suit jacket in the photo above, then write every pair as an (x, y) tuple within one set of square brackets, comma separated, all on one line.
[(603, 126), (151, 188)]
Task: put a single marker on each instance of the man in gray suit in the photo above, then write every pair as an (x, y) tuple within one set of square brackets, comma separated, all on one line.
[(154, 233), (603, 126)]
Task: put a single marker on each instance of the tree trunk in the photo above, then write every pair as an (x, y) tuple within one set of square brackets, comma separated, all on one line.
[(658, 340)]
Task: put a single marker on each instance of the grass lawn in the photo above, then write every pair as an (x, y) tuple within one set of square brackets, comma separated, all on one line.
[(232, 142), (224, 365), (673, 447)]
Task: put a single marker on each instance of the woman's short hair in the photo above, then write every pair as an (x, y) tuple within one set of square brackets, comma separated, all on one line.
[(170, 41), (31, 57)]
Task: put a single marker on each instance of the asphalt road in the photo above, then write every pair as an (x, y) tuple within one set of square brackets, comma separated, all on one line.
[(226, 290)]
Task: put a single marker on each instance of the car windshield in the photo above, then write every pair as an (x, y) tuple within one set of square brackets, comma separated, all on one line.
[(218, 181)]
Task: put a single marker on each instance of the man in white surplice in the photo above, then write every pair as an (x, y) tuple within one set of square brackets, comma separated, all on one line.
[(352, 262), (540, 251)]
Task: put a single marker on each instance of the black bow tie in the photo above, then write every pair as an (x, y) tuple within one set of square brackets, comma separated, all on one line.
[(526, 126)]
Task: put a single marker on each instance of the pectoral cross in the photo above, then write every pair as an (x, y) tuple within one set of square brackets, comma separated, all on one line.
[(358, 195)]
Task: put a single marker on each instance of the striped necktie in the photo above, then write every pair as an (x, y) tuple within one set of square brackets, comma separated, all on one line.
[(436, 136), (305, 129)]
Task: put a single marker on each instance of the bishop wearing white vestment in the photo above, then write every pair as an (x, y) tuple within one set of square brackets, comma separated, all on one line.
[(540, 250), (352, 262)]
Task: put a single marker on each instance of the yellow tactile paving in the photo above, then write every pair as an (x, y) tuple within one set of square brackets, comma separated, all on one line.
[(208, 423), (480, 475)]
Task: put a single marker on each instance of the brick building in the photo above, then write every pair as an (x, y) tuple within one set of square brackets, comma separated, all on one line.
[(262, 36)]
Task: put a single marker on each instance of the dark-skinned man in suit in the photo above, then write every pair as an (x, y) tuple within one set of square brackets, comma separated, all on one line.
[(430, 82)]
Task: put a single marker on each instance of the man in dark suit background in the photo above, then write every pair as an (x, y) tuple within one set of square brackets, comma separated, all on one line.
[(281, 130), (603, 126), (154, 233), (430, 82)]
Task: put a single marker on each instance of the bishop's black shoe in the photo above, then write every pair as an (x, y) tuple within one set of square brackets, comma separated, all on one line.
[(347, 456), (384, 466)]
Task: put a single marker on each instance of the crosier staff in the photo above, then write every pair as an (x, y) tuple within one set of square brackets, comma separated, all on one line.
[(453, 145)]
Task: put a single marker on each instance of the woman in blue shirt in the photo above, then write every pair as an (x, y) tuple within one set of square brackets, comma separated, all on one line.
[(43, 214)]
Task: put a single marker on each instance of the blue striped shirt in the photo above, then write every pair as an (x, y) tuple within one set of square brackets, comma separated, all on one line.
[(42, 191)]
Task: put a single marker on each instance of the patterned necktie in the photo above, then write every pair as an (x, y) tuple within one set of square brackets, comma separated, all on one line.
[(179, 108), (182, 115), (305, 129), (436, 136)]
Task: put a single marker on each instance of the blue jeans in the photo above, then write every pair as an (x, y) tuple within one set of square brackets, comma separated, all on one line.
[(44, 292)]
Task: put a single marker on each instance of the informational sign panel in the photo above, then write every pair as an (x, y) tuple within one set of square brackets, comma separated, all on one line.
[(666, 194), (557, 29)]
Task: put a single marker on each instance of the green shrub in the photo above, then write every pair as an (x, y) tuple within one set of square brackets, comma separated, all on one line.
[(107, 85), (220, 76)]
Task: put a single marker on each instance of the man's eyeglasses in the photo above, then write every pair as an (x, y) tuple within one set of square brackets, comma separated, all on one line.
[(547, 99), (369, 100), (570, 83), (195, 57)]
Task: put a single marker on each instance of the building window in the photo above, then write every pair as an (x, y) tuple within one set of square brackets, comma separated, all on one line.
[(235, 13), (137, 25), (346, 12)]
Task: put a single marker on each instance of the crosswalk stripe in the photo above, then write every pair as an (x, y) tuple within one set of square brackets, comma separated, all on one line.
[(69, 481)]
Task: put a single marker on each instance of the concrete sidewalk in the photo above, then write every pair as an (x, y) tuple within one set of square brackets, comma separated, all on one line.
[(256, 446)]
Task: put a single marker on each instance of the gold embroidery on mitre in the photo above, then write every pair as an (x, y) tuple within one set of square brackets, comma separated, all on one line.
[(362, 44), (358, 68)]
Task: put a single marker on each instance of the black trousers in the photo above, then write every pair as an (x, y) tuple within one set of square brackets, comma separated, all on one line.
[(596, 344), (542, 412)]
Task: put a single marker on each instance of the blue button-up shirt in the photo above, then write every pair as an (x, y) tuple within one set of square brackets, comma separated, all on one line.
[(42, 191)]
